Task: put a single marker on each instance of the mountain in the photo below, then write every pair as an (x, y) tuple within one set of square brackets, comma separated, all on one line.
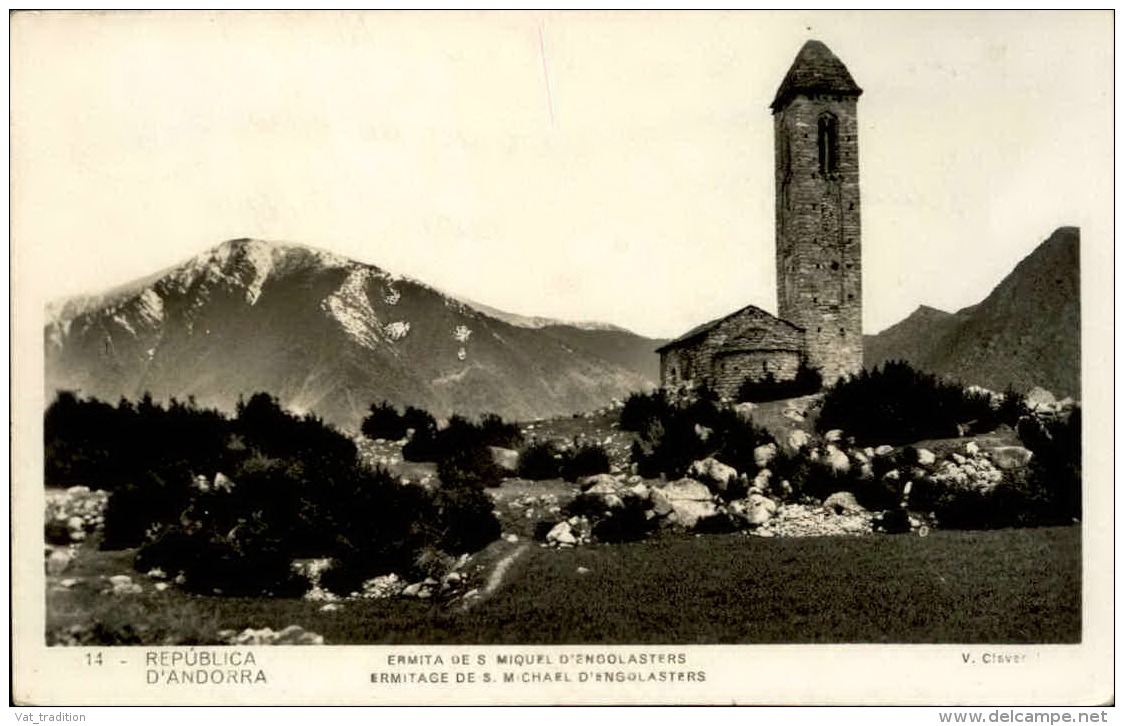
[(1026, 333), (611, 342), (328, 335)]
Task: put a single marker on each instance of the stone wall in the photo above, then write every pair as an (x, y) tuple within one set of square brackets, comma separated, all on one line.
[(819, 259), (732, 369)]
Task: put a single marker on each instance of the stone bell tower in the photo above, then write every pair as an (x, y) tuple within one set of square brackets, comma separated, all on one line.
[(819, 246)]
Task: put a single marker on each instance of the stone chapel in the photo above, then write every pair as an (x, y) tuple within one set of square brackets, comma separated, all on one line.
[(818, 258)]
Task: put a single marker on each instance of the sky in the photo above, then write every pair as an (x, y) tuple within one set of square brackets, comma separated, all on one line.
[(585, 166)]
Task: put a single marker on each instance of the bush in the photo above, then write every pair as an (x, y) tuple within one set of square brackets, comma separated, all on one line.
[(541, 460), (494, 431), (383, 422), (469, 465), (682, 434), (668, 447), (92, 443), (640, 409), (1048, 492), (807, 381), (896, 404), (422, 445), (627, 523), (585, 460), (816, 480), (465, 519)]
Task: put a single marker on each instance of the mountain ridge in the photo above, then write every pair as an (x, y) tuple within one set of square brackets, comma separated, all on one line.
[(1025, 333), (326, 334)]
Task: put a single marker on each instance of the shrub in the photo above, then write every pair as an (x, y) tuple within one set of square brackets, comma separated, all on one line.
[(469, 465), (1048, 492), (734, 439), (465, 519), (816, 480), (541, 460), (92, 443), (1012, 407), (682, 434), (422, 445), (627, 523), (152, 499), (807, 381), (896, 404), (383, 422), (494, 431), (585, 460), (668, 446), (640, 409)]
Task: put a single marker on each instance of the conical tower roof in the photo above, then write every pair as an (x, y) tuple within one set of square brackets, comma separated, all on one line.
[(815, 70)]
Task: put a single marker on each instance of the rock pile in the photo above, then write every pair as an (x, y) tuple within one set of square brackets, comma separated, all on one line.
[(532, 506), (572, 532), (975, 470), (75, 513), (292, 635), (807, 520), (380, 588)]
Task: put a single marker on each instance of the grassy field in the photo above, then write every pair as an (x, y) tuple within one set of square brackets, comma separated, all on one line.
[(1008, 586)]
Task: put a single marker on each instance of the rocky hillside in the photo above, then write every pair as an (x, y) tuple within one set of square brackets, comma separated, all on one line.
[(1026, 333), (328, 335)]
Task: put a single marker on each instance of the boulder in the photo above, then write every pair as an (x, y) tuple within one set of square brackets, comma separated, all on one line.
[(798, 439), (561, 534), (687, 512), (1039, 397), (612, 501), (972, 448), (716, 475), (640, 491), (296, 635), (57, 561), (1011, 457), (685, 490), (758, 509), (763, 455), (745, 410), (223, 483), (598, 479), (843, 503), (506, 459), (837, 459), (793, 415), (761, 481), (661, 505), (883, 450), (926, 457), (603, 489), (684, 501), (834, 436)]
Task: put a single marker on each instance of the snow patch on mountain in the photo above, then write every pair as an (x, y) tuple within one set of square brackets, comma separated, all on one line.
[(397, 330), (150, 307), (351, 308)]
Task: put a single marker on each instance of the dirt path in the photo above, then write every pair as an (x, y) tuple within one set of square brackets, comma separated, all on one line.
[(495, 579)]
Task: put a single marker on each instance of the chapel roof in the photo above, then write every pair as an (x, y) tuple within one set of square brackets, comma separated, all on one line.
[(815, 70), (701, 330)]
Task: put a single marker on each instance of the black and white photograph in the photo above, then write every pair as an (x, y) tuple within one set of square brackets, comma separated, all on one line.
[(562, 357)]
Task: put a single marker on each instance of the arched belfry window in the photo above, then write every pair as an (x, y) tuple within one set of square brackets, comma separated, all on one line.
[(828, 140)]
